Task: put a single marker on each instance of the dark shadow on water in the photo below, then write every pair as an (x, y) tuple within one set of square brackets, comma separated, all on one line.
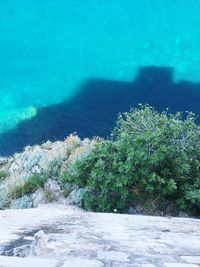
[(93, 111)]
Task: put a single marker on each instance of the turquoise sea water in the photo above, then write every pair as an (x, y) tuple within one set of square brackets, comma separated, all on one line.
[(49, 48)]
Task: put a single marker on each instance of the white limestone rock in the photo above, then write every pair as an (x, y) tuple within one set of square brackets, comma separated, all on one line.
[(38, 198), (53, 189), (40, 243), (76, 196)]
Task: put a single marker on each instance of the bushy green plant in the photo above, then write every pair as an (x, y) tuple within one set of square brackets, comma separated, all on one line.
[(33, 183), (152, 159), (3, 175)]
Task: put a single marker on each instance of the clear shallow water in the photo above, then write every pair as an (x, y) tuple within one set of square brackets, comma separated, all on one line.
[(49, 48)]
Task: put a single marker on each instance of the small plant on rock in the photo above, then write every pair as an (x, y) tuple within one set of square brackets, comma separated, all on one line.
[(33, 183), (3, 175)]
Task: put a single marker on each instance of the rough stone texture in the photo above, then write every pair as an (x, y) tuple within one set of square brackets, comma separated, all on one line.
[(51, 193), (193, 259), (75, 197), (38, 198), (180, 265), (40, 159), (41, 262), (21, 251), (39, 246), (36, 159), (113, 256), (53, 189), (77, 237), (26, 262), (24, 202)]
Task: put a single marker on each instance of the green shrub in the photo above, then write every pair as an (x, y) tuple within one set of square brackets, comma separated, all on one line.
[(152, 159), (3, 175), (33, 183), (166, 154)]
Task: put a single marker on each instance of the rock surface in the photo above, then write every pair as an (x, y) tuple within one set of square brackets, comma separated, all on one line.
[(71, 237), (75, 197), (39, 245), (24, 202), (50, 158)]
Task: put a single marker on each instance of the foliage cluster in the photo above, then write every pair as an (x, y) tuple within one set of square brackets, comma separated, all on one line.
[(152, 159), (3, 175), (33, 183)]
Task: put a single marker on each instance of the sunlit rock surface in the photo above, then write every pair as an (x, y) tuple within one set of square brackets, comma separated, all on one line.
[(72, 237)]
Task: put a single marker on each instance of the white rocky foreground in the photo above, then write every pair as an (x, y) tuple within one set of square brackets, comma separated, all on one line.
[(65, 236)]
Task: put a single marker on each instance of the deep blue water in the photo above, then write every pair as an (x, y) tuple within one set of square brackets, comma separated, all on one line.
[(72, 65)]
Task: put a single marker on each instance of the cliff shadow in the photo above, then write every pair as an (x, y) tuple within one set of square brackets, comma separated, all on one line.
[(94, 109)]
